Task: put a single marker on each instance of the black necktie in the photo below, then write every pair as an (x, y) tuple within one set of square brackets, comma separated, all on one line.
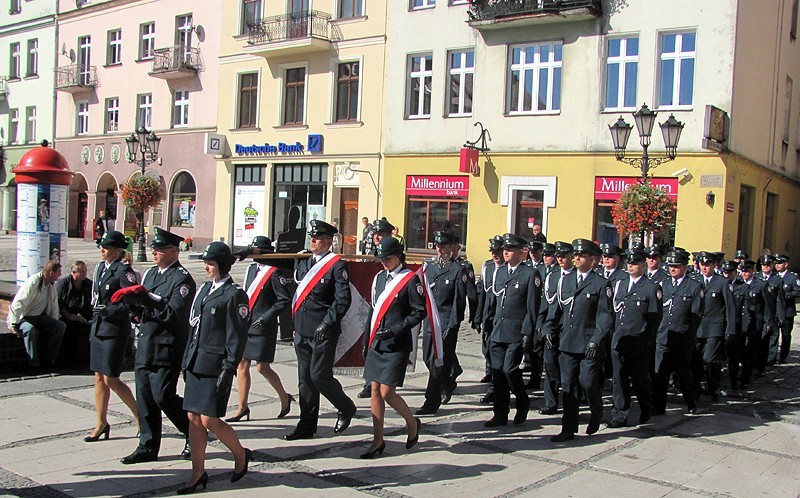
[(674, 282), (388, 277), (580, 279)]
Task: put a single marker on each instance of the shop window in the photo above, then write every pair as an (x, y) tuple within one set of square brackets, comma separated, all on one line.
[(427, 216), (300, 195), (605, 232), (183, 195), (529, 210)]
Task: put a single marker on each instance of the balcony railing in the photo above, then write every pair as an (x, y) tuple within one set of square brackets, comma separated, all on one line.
[(3, 87), (506, 10), (176, 62), (76, 78), (294, 26)]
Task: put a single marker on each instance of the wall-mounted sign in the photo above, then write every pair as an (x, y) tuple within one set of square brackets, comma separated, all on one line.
[(611, 188), (468, 161), (437, 186), (315, 143), (214, 144), (729, 207), (711, 181)]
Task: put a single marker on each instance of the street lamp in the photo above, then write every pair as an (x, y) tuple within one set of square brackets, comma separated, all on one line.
[(645, 119), (145, 145)]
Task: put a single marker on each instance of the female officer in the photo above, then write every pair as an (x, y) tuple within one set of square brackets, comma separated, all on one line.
[(111, 329), (398, 306), (220, 318)]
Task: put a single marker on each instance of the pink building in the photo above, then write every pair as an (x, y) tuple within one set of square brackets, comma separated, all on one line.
[(124, 64)]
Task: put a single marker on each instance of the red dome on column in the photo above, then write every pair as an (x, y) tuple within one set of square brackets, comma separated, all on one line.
[(43, 165)]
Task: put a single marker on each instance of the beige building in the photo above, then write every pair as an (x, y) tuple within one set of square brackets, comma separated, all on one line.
[(300, 107)]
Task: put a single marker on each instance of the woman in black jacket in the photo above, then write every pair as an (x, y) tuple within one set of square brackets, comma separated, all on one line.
[(220, 318), (399, 306)]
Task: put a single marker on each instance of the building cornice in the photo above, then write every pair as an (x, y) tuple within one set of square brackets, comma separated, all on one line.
[(28, 25)]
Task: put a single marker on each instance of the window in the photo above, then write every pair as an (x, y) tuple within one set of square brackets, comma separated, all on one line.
[(462, 72), (294, 96), (14, 68), (770, 215), (85, 60), (422, 4), (248, 100), (459, 2), (114, 52), (30, 124), (112, 114), (180, 109), (16, 7), (82, 126), (183, 34), (420, 76), (147, 35), (33, 58), (535, 72), (251, 13), (351, 8), (347, 92), (676, 79), (793, 21), (13, 126), (299, 194), (426, 215), (622, 67), (144, 113), (184, 196)]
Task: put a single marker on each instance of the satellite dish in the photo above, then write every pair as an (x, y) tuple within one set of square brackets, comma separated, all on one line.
[(71, 55), (201, 33), (64, 48)]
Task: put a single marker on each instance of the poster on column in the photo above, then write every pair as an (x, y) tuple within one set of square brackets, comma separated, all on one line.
[(248, 221), (27, 202), (41, 227)]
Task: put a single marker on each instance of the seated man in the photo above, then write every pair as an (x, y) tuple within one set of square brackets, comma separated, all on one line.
[(75, 302), (33, 316)]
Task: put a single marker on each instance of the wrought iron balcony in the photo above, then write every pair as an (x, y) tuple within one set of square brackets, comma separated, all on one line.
[(176, 62), (76, 78), (495, 14), (3, 87), (294, 33)]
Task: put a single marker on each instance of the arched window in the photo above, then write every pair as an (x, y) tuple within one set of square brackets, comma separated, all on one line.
[(183, 196)]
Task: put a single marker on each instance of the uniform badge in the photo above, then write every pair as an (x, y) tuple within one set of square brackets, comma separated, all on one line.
[(464, 278), (658, 293), (798, 282), (730, 286), (447, 281), (713, 294), (537, 281), (770, 288), (213, 311), (243, 310), (131, 277), (471, 274), (609, 292), (282, 280), (344, 274), (516, 286), (107, 287), (419, 289), (183, 290)]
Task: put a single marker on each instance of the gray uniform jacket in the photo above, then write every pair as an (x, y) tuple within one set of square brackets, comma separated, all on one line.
[(719, 308), (637, 312), (585, 312), (117, 323), (515, 307)]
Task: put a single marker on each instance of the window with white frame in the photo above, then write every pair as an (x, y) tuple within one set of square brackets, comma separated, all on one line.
[(251, 14), (676, 69), (114, 51), (351, 8), (459, 2), (422, 4), (112, 115), (420, 77), (622, 71), (535, 78), (144, 112), (459, 87), (13, 126), (33, 57), (183, 33), (180, 109), (30, 124), (82, 126), (147, 35), (15, 7), (14, 62)]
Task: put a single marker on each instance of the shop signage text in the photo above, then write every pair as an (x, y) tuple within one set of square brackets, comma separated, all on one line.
[(315, 144), (611, 188), (437, 186)]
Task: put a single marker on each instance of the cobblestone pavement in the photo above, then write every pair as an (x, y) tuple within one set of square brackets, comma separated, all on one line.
[(747, 444)]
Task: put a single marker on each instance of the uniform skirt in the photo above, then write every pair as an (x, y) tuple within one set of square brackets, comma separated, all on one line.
[(260, 347), (201, 396), (107, 354), (386, 367)]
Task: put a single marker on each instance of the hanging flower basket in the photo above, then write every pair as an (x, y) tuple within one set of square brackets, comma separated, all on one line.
[(141, 193), (643, 207)]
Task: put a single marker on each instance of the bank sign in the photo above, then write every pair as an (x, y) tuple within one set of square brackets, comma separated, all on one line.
[(314, 144), (437, 186), (611, 188)]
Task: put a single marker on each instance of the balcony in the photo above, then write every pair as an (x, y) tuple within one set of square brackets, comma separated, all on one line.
[(176, 62), (290, 34), (76, 78), (499, 14), (3, 88)]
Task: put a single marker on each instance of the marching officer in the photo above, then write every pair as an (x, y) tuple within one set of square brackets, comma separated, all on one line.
[(755, 315), (791, 291), (448, 281), (513, 313), (562, 253), (485, 295), (735, 345), (585, 316), (532, 359), (319, 304), (612, 271), (472, 305), (677, 333), (637, 309), (163, 333), (774, 315), (654, 270)]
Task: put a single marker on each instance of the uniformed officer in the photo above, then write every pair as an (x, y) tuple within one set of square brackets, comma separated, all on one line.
[(268, 296), (740, 257), (551, 331), (719, 322), (513, 313), (163, 333), (481, 319), (612, 270), (774, 315), (472, 305), (677, 333), (586, 319), (734, 345), (532, 360), (755, 315), (448, 282), (791, 291), (637, 309), (654, 259), (320, 302)]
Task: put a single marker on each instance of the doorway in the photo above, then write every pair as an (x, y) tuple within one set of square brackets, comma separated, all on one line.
[(348, 222)]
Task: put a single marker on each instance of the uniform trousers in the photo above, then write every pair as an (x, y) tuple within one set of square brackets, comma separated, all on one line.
[(786, 338), (506, 376), (677, 357), (630, 365), (156, 392), (763, 347), (439, 377), (579, 374), (552, 376), (774, 347), (707, 362), (485, 343), (747, 345)]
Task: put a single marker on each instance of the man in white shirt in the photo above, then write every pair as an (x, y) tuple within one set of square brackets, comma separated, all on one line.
[(33, 316)]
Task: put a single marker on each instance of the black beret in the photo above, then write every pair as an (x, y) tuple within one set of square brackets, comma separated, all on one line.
[(164, 238)]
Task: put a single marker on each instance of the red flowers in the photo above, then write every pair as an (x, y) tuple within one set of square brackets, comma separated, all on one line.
[(643, 207), (141, 193)]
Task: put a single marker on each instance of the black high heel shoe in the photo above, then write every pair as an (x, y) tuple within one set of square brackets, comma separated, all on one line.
[(190, 489), (105, 433), (410, 443), (285, 411), (248, 455), (378, 450), (236, 418)]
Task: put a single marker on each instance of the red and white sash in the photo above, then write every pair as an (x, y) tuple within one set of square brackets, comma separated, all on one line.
[(312, 278), (433, 318), (387, 297), (258, 283)]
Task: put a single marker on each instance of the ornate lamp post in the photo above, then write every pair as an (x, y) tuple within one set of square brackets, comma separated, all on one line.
[(142, 150)]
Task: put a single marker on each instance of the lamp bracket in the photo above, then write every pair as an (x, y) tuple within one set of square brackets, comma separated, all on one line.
[(481, 138), (639, 162)]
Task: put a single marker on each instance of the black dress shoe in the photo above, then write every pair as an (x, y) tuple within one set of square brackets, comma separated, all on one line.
[(186, 454), (298, 434), (248, 455), (563, 436), (644, 417), (190, 489), (139, 456), (364, 393), (378, 450), (549, 410), (495, 422), (285, 410), (715, 396), (592, 428), (659, 412), (486, 379), (410, 443), (521, 416), (342, 423), (616, 424), (488, 399), (446, 397), (426, 410), (692, 410)]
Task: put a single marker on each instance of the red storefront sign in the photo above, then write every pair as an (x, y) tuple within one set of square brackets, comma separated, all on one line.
[(611, 188), (437, 186), (468, 161)]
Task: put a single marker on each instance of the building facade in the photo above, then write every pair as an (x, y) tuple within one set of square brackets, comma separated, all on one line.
[(127, 64)]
